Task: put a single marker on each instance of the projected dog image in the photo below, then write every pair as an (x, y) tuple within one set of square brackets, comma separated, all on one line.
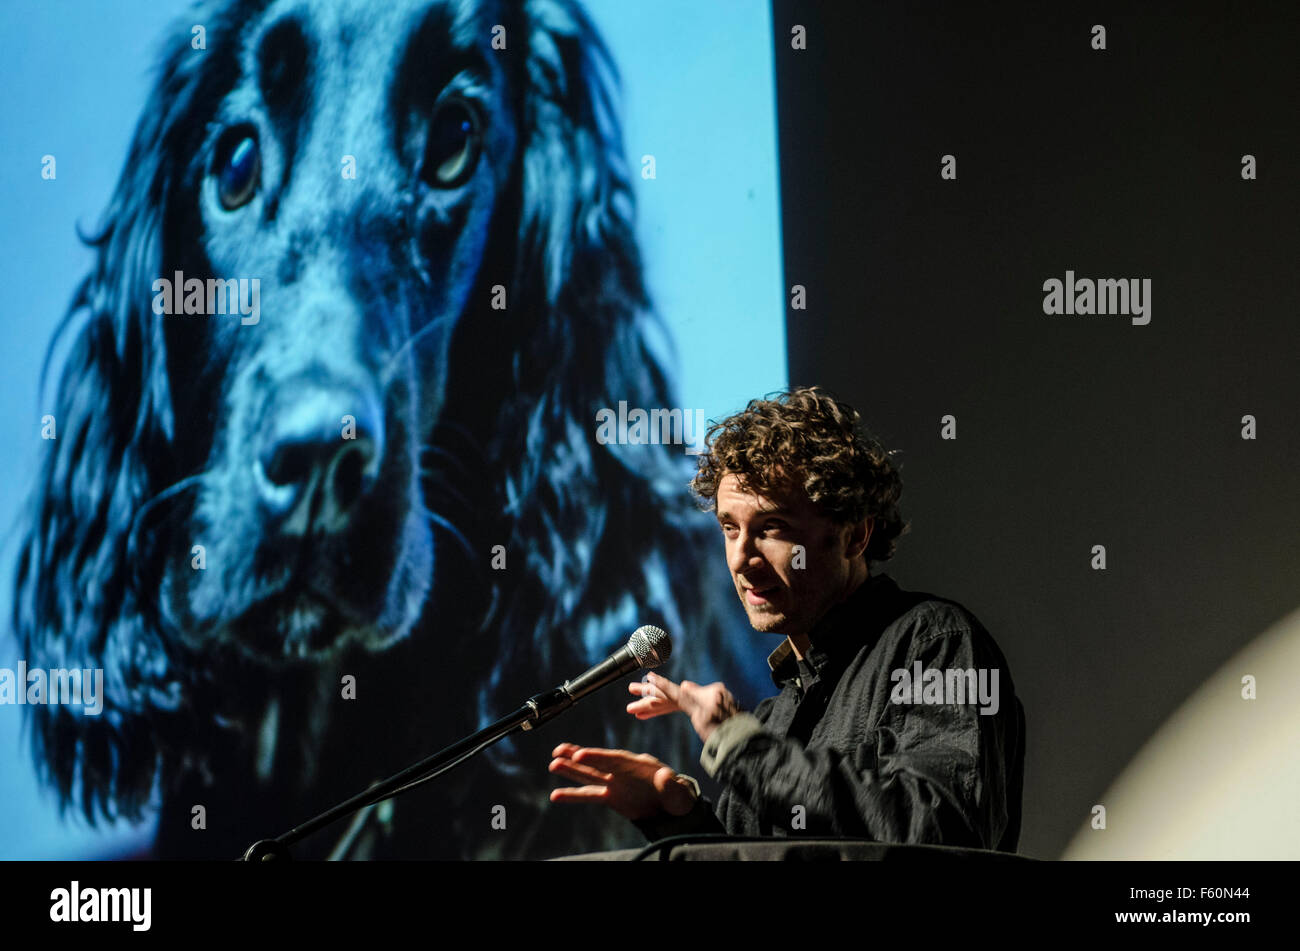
[(310, 547)]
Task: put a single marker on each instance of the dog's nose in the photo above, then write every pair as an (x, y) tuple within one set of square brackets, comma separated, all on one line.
[(320, 452)]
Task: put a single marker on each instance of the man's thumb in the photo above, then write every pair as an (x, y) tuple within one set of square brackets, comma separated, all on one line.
[(675, 796)]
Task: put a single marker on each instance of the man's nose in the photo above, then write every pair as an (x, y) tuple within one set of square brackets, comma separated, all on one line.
[(743, 553), (318, 455)]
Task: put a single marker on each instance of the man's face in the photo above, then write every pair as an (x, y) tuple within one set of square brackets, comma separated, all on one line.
[(788, 561)]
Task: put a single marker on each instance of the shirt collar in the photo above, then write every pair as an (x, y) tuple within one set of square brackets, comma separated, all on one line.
[(841, 628)]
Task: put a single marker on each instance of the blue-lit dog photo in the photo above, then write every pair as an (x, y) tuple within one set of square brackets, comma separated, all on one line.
[(327, 492)]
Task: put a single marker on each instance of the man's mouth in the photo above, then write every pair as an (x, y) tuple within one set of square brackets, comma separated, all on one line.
[(760, 595)]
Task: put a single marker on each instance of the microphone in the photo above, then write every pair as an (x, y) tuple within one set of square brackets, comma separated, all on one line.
[(648, 647)]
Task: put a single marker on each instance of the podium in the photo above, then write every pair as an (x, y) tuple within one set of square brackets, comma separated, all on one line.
[(725, 848)]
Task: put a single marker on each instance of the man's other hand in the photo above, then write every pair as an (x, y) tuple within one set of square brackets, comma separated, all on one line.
[(707, 706), (635, 785)]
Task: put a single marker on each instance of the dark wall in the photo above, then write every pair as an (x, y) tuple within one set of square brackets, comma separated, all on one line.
[(925, 298)]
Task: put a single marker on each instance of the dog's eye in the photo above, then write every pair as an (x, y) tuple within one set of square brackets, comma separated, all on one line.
[(238, 170), (453, 147)]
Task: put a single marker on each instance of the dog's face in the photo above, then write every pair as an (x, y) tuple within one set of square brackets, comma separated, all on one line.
[(433, 199), (352, 168)]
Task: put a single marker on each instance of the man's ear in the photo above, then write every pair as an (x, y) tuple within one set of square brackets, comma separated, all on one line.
[(859, 536)]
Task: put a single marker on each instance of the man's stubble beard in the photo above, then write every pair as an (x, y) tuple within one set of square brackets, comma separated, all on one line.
[(767, 621)]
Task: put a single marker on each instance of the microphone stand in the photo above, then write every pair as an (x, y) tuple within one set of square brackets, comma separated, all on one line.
[(536, 710)]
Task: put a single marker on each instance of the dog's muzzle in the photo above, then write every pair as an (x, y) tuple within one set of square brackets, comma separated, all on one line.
[(318, 454)]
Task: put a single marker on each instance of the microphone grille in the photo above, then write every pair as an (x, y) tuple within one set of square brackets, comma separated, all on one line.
[(650, 645)]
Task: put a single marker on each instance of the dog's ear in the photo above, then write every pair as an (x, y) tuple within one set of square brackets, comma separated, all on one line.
[(576, 235), (578, 505), (598, 337), (77, 601)]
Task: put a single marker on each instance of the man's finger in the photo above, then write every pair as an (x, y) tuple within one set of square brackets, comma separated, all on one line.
[(664, 778), (653, 702), (580, 794), (608, 760), (566, 749), (646, 692), (666, 686), (649, 709), (579, 774), (590, 773)]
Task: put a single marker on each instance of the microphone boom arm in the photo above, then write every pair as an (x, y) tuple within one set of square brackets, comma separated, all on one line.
[(648, 647)]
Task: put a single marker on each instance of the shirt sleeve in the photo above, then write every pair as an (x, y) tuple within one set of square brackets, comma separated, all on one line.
[(932, 773)]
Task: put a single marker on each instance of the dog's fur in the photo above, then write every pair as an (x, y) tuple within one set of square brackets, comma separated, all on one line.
[(225, 686)]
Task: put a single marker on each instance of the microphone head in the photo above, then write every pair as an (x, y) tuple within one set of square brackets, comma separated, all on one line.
[(650, 645)]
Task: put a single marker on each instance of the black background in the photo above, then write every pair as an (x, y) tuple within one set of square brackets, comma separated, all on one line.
[(924, 298)]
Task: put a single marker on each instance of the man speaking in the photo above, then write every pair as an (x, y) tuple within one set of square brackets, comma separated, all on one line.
[(897, 719)]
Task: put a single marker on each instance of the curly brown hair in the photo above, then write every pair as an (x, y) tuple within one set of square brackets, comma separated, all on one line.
[(805, 438)]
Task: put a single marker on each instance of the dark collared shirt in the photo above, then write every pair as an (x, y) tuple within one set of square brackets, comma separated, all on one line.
[(852, 747)]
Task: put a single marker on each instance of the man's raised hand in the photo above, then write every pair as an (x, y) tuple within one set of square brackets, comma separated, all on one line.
[(635, 785), (706, 706), (653, 702)]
